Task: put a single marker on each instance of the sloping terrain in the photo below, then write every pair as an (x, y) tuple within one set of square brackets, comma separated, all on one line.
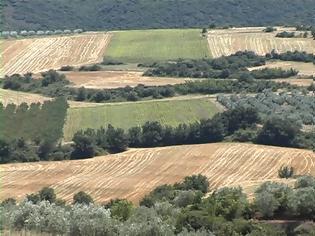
[(136, 172), (172, 111), (227, 42), (122, 14), (140, 46), (43, 53)]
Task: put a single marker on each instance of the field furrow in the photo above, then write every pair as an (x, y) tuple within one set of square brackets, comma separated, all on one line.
[(136, 172), (41, 54)]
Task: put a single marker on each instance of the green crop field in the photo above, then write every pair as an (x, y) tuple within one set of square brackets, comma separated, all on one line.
[(156, 45), (126, 115)]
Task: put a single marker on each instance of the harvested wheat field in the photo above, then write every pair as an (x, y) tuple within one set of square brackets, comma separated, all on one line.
[(136, 172), (43, 53), (13, 97), (229, 41), (306, 69), (117, 79)]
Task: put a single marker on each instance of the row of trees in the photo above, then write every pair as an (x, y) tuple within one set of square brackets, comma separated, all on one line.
[(239, 124), (179, 209), (25, 33), (292, 56), (35, 122), (54, 84), (226, 67)]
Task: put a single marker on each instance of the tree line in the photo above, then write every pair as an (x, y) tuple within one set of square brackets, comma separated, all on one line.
[(226, 67), (239, 124), (54, 84), (181, 209)]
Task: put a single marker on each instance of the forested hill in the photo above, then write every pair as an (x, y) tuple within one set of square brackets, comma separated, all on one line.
[(131, 14)]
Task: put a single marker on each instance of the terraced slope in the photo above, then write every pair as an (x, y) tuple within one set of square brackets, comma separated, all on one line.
[(136, 172), (43, 53)]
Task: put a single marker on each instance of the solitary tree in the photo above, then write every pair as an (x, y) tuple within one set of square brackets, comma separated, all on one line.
[(82, 198), (285, 172)]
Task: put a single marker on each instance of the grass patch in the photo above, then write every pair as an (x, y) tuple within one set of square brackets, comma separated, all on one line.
[(126, 115), (138, 46)]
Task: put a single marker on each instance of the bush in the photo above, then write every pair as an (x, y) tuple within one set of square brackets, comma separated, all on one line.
[(194, 182), (67, 68), (285, 172), (82, 198)]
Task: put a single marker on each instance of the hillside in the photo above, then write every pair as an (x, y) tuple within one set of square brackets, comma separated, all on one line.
[(173, 111), (122, 14), (136, 172), (40, 54)]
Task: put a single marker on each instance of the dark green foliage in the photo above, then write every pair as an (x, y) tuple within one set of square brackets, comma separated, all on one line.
[(194, 182), (292, 56), (113, 14), (121, 210), (94, 67), (82, 198), (47, 194), (269, 29), (222, 67), (41, 122), (83, 147), (67, 68), (278, 132), (8, 202), (30, 133), (286, 172), (34, 198), (285, 34)]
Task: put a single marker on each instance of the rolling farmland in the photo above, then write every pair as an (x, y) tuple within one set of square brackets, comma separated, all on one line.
[(227, 42), (117, 79), (306, 69), (9, 96), (157, 45), (134, 173), (43, 53), (128, 114)]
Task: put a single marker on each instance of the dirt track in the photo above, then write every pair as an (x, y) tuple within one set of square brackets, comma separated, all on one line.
[(136, 172)]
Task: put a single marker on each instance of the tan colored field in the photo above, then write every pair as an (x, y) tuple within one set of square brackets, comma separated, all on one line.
[(9, 96), (40, 54), (306, 69), (14, 97), (229, 41), (136, 172), (116, 79)]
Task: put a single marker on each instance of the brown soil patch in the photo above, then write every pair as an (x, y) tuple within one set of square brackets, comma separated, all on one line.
[(136, 172), (116, 79)]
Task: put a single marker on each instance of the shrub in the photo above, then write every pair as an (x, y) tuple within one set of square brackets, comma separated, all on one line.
[(82, 198), (285, 172)]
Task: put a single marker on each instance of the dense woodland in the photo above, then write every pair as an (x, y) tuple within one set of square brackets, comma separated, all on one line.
[(113, 14), (294, 106), (180, 209)]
